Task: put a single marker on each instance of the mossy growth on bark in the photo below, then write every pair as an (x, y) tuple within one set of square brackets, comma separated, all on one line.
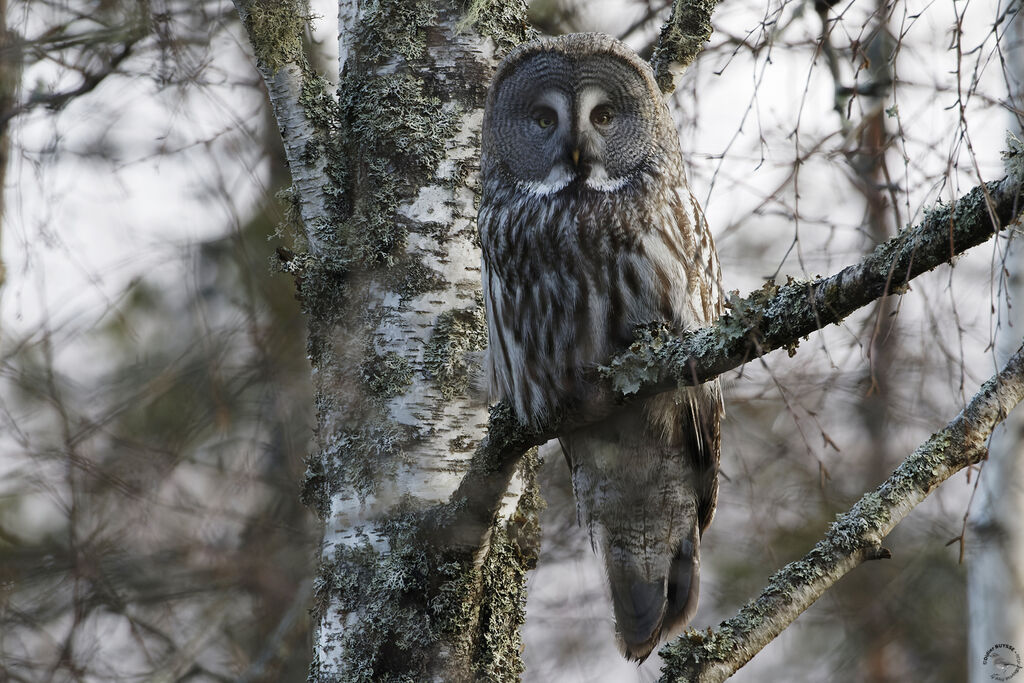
[(385, 375), (395, 131), (358, 460), (504, 21), (425, 612), (410, 277), (275, 30), (447, 357)]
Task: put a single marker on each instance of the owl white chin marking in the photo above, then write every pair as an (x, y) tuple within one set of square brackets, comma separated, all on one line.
[(557, 179), (599, 180), (560, 176)]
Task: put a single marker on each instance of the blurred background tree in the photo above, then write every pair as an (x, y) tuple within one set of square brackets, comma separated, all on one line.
[(155, 399)]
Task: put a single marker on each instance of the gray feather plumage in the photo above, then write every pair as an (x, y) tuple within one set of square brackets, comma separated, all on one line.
[(588, 230)]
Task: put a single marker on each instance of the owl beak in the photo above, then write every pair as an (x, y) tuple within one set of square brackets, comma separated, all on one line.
[(576, 157)]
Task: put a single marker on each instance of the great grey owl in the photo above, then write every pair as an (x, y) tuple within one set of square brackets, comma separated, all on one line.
[(588, 230)]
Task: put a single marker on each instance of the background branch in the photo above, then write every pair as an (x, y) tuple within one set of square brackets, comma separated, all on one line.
[(855, 537)]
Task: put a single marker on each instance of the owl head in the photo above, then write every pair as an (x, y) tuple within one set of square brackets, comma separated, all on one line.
[(577, 110)]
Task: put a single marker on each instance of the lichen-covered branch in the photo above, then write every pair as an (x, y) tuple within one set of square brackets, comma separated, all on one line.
[(682, 38), (773, 317), (856, 536), (779, 316), (304, 108)]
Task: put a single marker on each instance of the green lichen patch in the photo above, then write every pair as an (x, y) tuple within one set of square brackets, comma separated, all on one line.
[(389, 29), (410, 277), (504, 21), (524, 525), (357, 460), (385, 375), (695, 647), (319, 104), (275, 28), (395, 639), (513, 550), (503, 610), (415, 601), (682, 39), (642, 363), (396, 133), (1013, 157), (446, 359), (462, 443), (323, 294)]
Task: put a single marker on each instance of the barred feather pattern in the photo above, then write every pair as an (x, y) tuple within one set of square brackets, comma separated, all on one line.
[(570, 268), (567, 277)]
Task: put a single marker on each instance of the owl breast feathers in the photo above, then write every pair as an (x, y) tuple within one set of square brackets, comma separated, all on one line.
[(588, 230)]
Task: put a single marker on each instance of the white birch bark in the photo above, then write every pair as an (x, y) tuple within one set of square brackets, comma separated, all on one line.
[(284, 85), (412, 585)]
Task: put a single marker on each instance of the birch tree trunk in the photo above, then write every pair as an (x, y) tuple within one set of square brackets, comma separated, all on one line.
[(384, 189), (995, 578)]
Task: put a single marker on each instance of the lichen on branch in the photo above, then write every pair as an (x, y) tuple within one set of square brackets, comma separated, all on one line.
[(275, 29), (856, 536), (775, 316), (779, 316), (682, 38)]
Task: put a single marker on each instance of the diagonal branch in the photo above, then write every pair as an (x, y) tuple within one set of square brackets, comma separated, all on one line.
[(302, 107), (770, 318), (778, 316), (856, 536)]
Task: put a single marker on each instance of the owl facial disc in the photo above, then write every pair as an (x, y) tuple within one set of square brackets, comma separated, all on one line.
[(579, 122), (557, 121)]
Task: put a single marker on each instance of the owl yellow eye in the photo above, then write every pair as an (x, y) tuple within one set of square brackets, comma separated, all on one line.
[(545, 118), (601, 115)]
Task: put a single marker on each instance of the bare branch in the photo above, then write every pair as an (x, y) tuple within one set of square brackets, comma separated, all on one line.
[(12, 50), (855, 537)]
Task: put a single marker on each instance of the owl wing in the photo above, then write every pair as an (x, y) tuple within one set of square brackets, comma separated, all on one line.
[(647, 476), (706, 416)]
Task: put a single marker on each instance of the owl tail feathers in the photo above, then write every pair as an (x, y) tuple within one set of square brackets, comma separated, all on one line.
[(647, 611)]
